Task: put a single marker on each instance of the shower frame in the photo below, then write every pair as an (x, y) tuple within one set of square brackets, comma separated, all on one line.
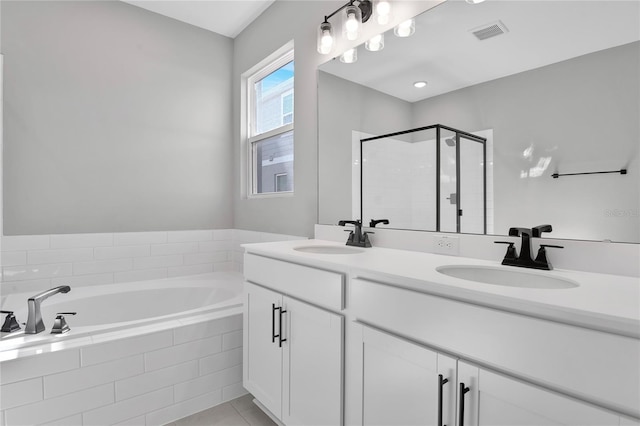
[(458, 133)]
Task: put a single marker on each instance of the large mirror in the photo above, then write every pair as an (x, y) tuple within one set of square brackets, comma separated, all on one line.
[(553, 86)]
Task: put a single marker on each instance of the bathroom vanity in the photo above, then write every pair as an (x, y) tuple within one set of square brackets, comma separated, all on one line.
[(341, 335)]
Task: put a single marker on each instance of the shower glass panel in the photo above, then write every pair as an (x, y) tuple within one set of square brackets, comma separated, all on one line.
[(430, 178), (398, 179)]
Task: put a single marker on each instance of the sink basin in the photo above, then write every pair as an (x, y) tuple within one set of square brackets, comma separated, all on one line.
[(511, 277), (329, 249)]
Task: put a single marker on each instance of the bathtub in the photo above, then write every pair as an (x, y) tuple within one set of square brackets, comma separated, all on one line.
[(145, 352)]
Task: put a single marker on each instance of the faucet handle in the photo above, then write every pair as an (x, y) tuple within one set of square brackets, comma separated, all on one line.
[(511, 251), (60, 325), (10, 322), (541, 258)]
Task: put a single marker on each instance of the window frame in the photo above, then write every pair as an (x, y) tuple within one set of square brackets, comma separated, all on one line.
[(252, 139)]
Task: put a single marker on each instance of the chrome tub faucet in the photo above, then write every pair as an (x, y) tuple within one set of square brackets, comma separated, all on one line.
[(34, 317)]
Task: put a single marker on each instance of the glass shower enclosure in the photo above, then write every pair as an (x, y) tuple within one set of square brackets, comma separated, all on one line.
[(430, 178)]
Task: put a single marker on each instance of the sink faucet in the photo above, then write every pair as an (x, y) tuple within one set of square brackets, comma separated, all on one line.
[(357, 238), (34, 318), (524, 260)]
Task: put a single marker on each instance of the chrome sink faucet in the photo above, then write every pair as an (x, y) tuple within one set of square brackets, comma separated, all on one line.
[(524, 260), (34, 317)]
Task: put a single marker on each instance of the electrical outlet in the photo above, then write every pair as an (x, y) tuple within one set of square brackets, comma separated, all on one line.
[(445, 244)]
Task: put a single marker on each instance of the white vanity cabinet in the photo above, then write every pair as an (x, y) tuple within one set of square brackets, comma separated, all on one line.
[(404, 383), (293, 350)]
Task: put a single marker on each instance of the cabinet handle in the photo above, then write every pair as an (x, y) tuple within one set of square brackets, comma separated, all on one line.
[(273, 323), (463, 390), (280, 339), (441, 383)]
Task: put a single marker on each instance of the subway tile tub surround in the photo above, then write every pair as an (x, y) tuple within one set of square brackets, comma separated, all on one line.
[(154, 374)]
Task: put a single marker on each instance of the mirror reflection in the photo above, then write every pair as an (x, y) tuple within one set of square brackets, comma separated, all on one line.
[(552, 86)]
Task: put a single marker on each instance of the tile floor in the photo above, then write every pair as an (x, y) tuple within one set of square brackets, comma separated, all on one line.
[(238, 412)]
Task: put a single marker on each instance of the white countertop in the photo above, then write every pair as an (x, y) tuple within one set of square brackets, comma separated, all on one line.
[(603, 302)]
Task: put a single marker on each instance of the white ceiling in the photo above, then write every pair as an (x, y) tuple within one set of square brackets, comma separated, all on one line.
[(226, 17), (444, 53)]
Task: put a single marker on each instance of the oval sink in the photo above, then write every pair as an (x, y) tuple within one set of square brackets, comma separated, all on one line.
[(506, 277), (329, 249)]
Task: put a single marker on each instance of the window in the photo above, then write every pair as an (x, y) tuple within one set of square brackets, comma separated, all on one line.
[(270, 131)]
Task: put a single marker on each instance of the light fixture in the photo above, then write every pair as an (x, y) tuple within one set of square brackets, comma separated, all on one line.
[(474, 1), (406, 28), (325, 38), (383, 12), (355, 13), (419, 84), (350, 56), (375, 43)]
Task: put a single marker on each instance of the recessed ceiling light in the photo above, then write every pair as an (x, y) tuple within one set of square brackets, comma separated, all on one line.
[(419, 84), (474, 1)]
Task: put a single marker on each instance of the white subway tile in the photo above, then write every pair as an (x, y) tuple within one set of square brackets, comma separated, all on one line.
[(20, 393), (199, 258), (178, 271), (129, 408), (81, 240), (223, 234), (38, 365), (64, 406), (36, 257), (13, 258), (208, 383), (84, 280), (210, 246), (157, 379), (140, 275), (173, 248), (201, 330), (75, 420), (102, 266), (112, 350), (189, 236), (157, 261), (136, 238), (184, 409), (232, 340), (87, 377), (28, 286), (220, 361), (136, 421), (34, 272), (182, 353), (25, 242), (122, 252), (233, 391)]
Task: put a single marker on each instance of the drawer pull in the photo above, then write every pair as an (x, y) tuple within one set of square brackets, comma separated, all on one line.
[(441, 382), (463, 390), (273, 323)]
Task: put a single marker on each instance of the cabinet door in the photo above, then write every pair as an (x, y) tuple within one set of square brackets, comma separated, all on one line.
[(401, 381), (313, 359), (262, 369), (493, 399)]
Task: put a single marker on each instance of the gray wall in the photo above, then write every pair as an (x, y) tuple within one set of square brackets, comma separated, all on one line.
[(116, 119)]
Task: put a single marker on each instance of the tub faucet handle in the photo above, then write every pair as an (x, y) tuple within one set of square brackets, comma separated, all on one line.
[(10, 322), (60, 325)]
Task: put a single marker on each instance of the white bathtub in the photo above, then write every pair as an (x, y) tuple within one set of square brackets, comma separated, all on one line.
[(145, 352)]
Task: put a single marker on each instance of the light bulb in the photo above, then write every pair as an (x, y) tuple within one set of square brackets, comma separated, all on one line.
[(406, 28), (383, 12), (350, 56), (325, 38), (352, 21), (375, 44)]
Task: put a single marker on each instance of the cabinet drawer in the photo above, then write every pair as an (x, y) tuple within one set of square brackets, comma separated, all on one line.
[(324, 288), (587, 364)]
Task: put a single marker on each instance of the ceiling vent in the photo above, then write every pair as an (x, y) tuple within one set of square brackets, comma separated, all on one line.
[(489, 30)]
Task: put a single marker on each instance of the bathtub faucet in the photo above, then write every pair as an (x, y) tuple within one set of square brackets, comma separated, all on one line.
[(34, 318)]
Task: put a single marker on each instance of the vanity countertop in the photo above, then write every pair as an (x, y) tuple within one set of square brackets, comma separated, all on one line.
[(603, 302)]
